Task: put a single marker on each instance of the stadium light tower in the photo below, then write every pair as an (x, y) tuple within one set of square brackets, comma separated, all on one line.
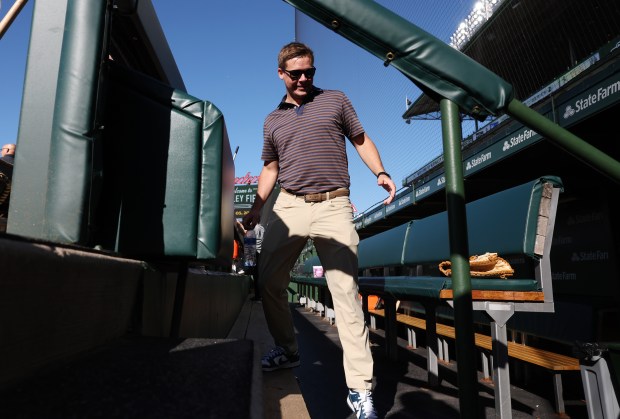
[(482, 11)]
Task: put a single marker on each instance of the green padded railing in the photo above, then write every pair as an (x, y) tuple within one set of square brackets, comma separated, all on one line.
[(110, 158), (383, 249), (504, 223), (435, 67), (168, 177)]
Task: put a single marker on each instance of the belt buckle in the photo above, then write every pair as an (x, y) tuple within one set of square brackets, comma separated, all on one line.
[(313, 197)]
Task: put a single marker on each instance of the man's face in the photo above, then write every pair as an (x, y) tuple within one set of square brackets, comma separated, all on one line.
[(297, 87), (8, 150)]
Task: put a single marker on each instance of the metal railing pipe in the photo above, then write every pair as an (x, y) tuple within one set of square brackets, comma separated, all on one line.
[(565, 139), (459, 255)]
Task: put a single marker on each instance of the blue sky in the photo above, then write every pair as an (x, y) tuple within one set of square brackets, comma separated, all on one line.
[(226, 52)]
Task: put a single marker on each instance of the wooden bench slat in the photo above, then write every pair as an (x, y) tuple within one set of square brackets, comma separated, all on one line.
[(487, 295), (546, 359)]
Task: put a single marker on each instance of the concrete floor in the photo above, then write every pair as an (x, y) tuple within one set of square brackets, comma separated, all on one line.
[(317, 388), (185, 378)]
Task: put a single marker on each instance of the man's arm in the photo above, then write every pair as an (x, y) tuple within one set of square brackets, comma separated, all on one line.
[(370, 156), (266, 182)]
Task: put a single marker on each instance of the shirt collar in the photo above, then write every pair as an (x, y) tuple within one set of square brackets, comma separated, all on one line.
[(315, 92)]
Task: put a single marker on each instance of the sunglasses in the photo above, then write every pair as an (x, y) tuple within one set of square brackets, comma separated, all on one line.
[(296, 74)]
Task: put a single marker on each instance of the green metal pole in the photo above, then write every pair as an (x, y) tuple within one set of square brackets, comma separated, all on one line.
[(565, 139), (467, 377)]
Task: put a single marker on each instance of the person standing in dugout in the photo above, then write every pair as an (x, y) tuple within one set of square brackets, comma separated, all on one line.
[(304, 150)]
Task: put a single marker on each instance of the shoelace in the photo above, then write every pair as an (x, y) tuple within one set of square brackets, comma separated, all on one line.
[(366, 403), (277, 351)]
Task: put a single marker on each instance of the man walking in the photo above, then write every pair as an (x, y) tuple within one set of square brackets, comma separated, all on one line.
[(304, 150)]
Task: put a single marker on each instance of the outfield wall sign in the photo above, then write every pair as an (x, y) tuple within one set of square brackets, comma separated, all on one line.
[(576, 108), (402, 200), (601, 96), (244, 198)]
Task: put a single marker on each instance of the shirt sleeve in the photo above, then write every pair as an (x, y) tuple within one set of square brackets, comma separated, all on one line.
[(269, 152), (352, 127)]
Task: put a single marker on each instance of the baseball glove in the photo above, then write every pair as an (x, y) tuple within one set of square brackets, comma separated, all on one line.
[(487, 265)]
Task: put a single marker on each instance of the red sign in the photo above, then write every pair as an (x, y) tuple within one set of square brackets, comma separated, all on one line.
[(248, 179)]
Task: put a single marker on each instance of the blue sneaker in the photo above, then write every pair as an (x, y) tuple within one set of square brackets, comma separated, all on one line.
[(361, 403), (277, 358)]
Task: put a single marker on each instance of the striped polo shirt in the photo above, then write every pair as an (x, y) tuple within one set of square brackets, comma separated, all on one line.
[(308, 141)]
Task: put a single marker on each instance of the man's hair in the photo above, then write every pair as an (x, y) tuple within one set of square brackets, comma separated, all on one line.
[(294, 50)]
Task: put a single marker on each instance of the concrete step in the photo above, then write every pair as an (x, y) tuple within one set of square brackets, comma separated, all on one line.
[(279, 390), (138, 377)]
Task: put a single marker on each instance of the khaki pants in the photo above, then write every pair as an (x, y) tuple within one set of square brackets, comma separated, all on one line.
[(330, 225)]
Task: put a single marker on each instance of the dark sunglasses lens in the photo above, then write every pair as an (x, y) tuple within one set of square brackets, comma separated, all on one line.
[(295, 74)]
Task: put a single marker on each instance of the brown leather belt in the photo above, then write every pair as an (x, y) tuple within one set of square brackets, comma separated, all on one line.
[(321, 196)]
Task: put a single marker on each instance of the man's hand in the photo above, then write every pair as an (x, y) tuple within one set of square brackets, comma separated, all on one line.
[(251, 219), (266, 182), (388, 184)]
